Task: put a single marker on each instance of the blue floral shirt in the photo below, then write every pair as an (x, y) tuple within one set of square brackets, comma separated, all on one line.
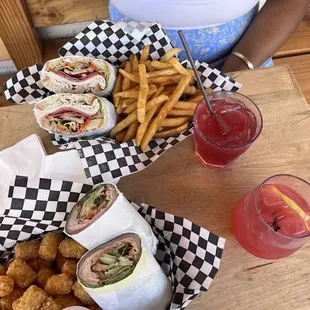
[(210, 44)]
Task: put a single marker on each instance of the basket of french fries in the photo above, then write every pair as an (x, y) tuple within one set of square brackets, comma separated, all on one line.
[(154, 98), (122, 96)]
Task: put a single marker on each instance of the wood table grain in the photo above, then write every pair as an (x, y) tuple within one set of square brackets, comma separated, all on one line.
[(179, 184)]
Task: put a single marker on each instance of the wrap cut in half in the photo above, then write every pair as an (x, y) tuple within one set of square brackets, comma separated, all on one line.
[(79, 75), (104, 213), (122, 275), (75, 115)]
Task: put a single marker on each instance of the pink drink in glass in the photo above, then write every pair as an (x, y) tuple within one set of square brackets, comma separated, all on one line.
[(242, 117), (272, 221)]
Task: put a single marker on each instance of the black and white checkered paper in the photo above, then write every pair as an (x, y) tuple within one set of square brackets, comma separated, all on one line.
[(114, 42), (190, 255), (104, 159)]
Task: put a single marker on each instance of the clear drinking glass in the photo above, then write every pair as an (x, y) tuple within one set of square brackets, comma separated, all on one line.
[(216, 149), (272, 221)]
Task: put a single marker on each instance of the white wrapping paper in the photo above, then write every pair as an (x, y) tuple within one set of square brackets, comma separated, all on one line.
[(120, 218), (147, 288), (110, 118), (110, 81)]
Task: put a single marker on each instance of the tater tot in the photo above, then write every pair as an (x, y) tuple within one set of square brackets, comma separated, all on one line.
[(69, 267), (32, 299), (7, 301), (60, 284), (81, 294), (2, 270), (43, 275), (6, 286), (49, 246), (64, 301), (49, 304), (22, 274), (69, 248), (60, 260), (27, 250), (37, 263)]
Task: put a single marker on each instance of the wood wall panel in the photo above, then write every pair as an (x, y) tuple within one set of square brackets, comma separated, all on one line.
[(4, 54), (55, 12), (18, 34)]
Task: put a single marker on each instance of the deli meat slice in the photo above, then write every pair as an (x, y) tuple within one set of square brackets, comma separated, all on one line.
[(79, 75)]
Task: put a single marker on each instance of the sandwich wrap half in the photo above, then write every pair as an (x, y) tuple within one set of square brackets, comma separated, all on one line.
[(75, 115), (103, 214), (123, 275), (77, 74)]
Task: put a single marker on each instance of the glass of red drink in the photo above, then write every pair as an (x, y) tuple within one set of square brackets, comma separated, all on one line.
[(272, 221), (215, 148)]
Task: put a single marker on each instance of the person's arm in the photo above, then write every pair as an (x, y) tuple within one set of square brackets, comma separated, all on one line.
[(269, 30)]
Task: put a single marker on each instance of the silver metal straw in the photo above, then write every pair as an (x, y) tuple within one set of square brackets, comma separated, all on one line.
[(218, 118)]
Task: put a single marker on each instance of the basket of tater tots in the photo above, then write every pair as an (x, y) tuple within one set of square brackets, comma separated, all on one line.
[(106, 253), (42, 275)]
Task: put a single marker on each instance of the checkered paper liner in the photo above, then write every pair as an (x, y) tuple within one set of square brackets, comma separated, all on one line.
[(189, 255), (104, 159), (114, 42)]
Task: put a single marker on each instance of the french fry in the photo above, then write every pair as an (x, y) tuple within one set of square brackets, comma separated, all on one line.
[(120, 136), (167, 92), (143, 92), (185, 105), (173, 121), (159, 79), (171, 132), (119, 109), (126, 84), (132, 107), (164, 111), (131, 132), (117, 88), (145, 54), (163, 72), (135, 63), (128, 94), (158, 65), (166, 80), (176, 64), (126, 81), (198, 95), (148, 66), (172, 52), (135, 93), (189, 90), (158, 92), (156, 102), (127, 102), (143, 126), (195, 98), (132, 77), (175, 112)]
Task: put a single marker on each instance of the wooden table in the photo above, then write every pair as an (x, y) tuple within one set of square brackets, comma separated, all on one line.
[(179, 184)]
